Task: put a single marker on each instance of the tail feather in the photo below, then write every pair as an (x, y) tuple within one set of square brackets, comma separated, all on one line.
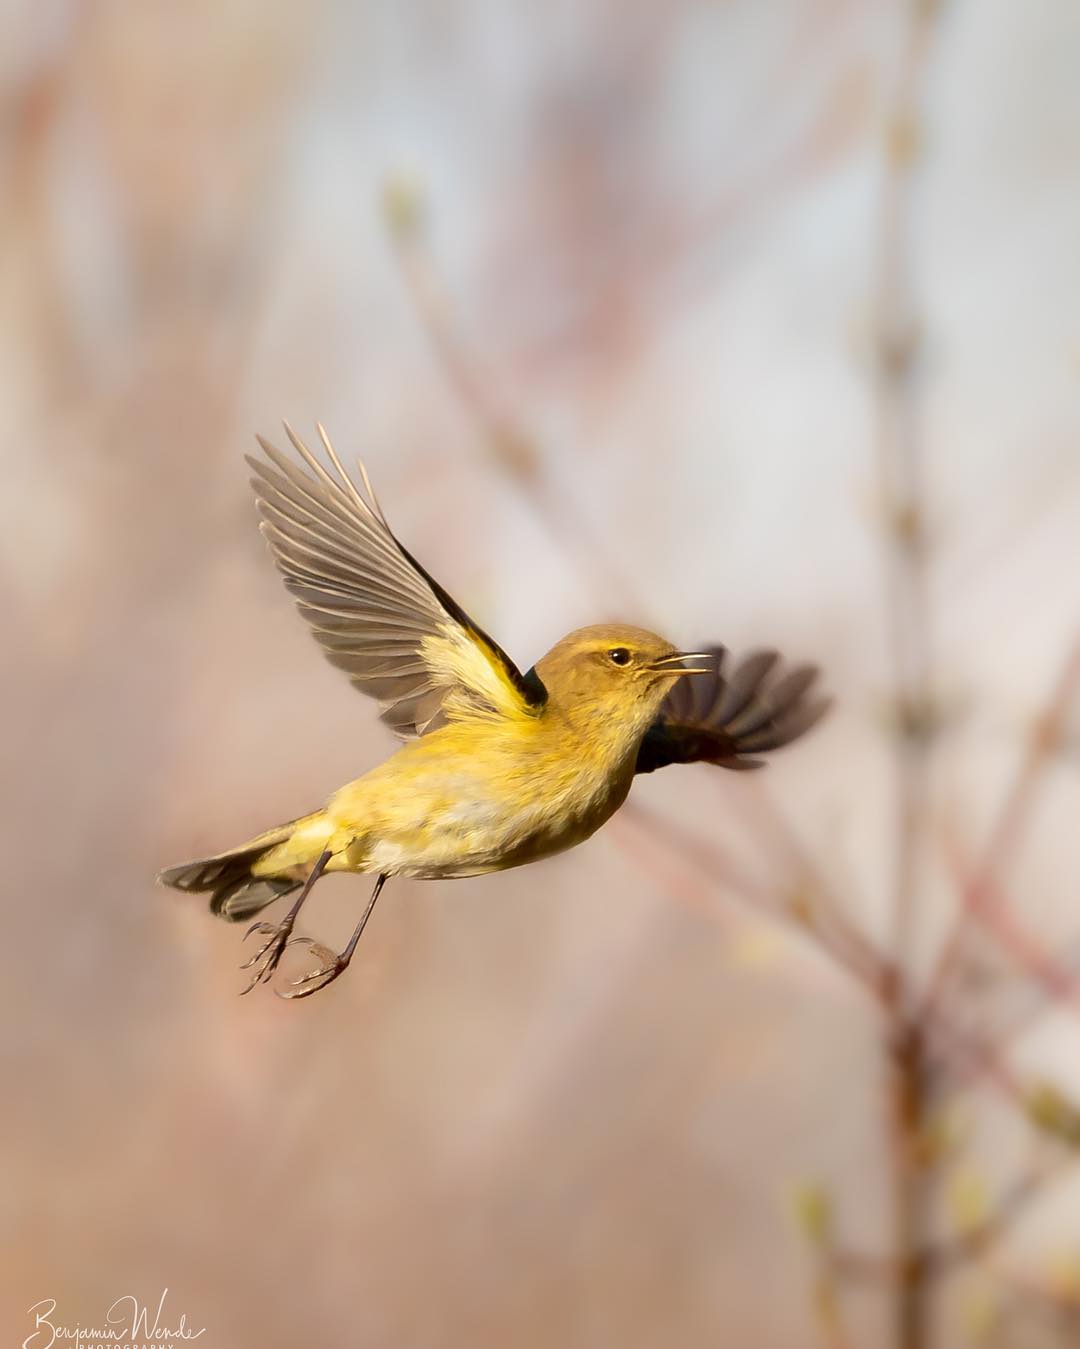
[(235, 893)]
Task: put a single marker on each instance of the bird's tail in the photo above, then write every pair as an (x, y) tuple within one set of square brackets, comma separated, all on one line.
[(236, 890)]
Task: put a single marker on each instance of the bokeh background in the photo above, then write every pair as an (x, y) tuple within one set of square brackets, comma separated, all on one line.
[(597, 291)]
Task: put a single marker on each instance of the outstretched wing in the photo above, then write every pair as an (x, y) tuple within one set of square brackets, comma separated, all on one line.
[(376, 612), (721, 718)]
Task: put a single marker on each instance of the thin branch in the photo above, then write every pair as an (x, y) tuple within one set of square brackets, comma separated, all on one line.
[(1060, 1303), (967, 1052), (717, 865), (1012, 822), (900, 452), (897, 341), (970, 1056), (989, 907), (511, 448), (981, 1237), (677, 880), (941, 1258), (830, 912)]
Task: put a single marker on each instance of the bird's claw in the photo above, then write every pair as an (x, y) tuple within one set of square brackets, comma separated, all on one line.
[(270, 929), (330, 966), (266, 959)]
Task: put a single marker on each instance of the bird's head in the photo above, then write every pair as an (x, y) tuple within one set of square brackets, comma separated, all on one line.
[(615, 671)]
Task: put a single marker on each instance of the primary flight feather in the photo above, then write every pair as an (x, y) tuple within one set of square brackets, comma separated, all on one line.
[(378, 615)]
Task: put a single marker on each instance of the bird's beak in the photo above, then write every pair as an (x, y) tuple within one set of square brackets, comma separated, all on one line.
[(673, 664)]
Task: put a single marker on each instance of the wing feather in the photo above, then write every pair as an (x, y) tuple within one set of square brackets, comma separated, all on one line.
[(376, 612), (720, 719)]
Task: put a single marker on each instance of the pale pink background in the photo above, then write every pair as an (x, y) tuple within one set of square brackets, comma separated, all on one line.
[(561, 1106)]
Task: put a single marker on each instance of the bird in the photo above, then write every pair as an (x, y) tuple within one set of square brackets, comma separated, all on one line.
[(498, 768)]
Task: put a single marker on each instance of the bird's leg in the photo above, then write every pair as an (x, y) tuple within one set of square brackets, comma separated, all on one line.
[(331, 964), (266, 958)]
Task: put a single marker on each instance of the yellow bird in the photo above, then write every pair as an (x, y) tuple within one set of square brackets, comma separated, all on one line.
[(500, 768)]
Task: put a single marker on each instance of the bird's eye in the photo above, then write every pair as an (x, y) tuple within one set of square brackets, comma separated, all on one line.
[(619, 655)]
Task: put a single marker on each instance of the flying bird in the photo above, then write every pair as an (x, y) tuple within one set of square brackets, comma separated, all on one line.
[(498, 768)]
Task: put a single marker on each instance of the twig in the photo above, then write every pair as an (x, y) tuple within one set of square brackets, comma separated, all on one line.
[(940, 1258), (829, 910), (677, 880), (1060, 1303), (1013, 1204), (985, 901), (975, 1057), (968, 1052), (710, 860), (511, 448), (1011, 823), (897, 342), (900, 476)]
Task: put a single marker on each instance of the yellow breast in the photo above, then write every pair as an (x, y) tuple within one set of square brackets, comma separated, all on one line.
[(476, 797)]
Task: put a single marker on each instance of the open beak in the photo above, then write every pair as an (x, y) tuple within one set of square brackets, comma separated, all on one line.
[(673, 664)]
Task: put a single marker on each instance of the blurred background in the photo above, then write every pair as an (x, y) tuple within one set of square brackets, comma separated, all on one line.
[(754, 322)]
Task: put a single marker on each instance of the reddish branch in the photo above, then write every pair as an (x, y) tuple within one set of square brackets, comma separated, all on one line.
[(1014, 816), (800, 910), (900, 474)]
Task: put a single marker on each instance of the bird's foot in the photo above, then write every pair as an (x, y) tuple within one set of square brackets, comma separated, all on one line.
[(330, 965), (266, 959)]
